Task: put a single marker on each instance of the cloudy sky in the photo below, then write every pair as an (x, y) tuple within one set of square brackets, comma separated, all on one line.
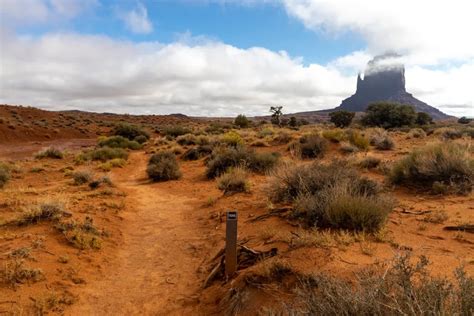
[(225, 57)]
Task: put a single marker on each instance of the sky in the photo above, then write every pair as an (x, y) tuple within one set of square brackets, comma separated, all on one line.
[(227, 57)]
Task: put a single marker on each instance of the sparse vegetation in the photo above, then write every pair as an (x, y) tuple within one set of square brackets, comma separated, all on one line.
[(50, 152), (14, 272), (233, 181), (449, 164), (163, 166), (4, 174), (175, 131), (358, 140), (81, 177), (47, 211)]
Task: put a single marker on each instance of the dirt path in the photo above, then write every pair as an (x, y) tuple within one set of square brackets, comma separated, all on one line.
[(155, 269)]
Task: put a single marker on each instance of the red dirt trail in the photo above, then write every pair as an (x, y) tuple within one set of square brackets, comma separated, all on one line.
[(155, 270)]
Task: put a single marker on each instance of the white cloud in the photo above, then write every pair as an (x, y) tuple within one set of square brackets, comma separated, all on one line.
[(137, 20), (32, 12), (429, 32), (207, 78), (99, 73)]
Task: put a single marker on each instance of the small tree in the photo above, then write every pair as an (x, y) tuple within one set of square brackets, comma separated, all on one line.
[(464, 120), (276, 114), (423, 118), (341, 118), (242, 121)]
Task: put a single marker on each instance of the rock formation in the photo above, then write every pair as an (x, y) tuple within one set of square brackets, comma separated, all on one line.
[(384, 80)]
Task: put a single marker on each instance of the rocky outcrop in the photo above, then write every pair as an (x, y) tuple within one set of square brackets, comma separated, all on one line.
[(384, 80)]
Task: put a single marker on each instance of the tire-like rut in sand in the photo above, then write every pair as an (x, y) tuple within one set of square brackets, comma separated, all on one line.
[(155, 269)]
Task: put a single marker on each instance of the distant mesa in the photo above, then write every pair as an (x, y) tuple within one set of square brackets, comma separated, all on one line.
[(384, 80)]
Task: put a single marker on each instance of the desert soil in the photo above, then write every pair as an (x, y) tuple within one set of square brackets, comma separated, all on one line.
[(156, 268)]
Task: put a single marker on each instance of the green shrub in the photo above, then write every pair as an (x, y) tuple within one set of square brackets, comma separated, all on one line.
[(233, 181), (119, 142), (129, 131), (163, 166), (341, 118), (223, 158), (447, 163), (4, 174), (388, 115), (50, 152), (423, 118), (103, 154), (464, 120), (331, 195), (141, 139), (242, 121)]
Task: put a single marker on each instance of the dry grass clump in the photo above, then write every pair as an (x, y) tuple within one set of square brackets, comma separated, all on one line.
[(53, 302), (331, 195), (119, 142), (370, 162), (403, 289), (14, 272), (81, 235), (282, 137), (347, 148), (223, 158), (197, 153), (163, 166), (447, 133), (114, 163), (82, 177), (416, 133), (46, 211), (358, 140), (380, 139), (233, 181), (4, 174), (50, 152), (335, 135), (187, 139), (309, 146), (446, 164)]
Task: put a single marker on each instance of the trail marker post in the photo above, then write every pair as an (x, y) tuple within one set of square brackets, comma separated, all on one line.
[(231, 243)]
